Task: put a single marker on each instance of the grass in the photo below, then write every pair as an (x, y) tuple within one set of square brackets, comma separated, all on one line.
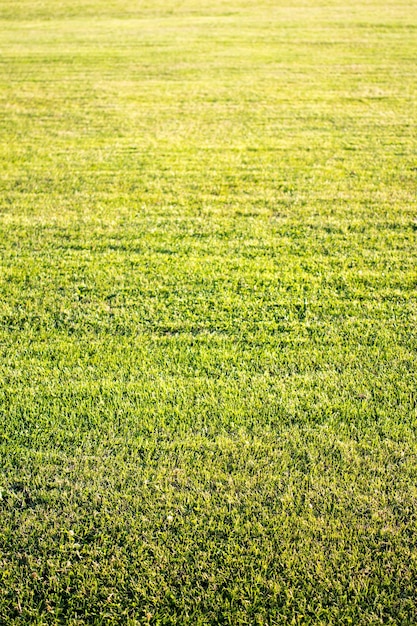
[(208, 312)]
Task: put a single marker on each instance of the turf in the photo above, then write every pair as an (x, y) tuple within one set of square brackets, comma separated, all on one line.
[(208, 284)]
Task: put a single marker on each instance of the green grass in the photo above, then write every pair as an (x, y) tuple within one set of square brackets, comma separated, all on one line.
[(208, 226)]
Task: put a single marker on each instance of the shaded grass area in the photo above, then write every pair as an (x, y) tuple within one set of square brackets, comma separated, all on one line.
[(308, 524), (207, 313)]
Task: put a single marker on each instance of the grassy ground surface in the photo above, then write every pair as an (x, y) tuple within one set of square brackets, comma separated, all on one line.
[(208, 312)]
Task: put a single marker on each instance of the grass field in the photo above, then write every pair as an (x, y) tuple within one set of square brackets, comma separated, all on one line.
[(208, 322)]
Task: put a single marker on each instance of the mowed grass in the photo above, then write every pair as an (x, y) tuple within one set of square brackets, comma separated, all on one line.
[(208, 339)]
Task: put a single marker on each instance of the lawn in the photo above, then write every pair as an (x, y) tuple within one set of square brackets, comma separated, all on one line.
[(208, 320)]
